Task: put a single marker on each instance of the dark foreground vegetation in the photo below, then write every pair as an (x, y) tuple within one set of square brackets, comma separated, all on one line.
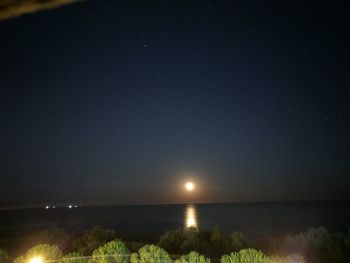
[(101, 245)]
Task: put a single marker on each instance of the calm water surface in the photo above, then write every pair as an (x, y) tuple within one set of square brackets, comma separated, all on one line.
[(149, 221)]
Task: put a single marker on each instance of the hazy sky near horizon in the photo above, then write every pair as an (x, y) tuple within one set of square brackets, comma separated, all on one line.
[(123, 101)]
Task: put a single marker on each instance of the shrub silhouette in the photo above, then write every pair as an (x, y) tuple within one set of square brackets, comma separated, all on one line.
[(214, 242), (246, 256), (73, 258), (112, 252), (45, 251), (172, 240), (219, 241), (3, 256), (193, 240), (317, 244), (185, 241), (151, 254), (237, 241), (192, 257), (92, 239)]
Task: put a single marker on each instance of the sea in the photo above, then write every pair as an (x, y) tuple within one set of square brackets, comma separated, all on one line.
[(148, 222)]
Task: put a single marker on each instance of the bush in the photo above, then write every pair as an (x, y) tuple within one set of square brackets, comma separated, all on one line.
[(73, 258), (219, 241), (45, 251), (194, 240), (238, 241), (92, 239), (192, 257), (185, 241), (317, 245), (112, 252), (172, 240), (3, 256), (246, 256), (151, 254)]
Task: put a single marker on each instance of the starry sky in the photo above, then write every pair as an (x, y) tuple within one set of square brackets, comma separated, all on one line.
[(120, 102)]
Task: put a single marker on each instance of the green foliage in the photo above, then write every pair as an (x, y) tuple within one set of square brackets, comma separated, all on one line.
[(45, 251), (3, 256), (193, 240), (317, 244), (73, 258), (185, 241), (314, 245), (134, 258), (112, 252), (151, 254), (219, 241), (246, 256), (214, 243), (238, 241), (216, 235), (192, 257), (92, 239), (172, 240)]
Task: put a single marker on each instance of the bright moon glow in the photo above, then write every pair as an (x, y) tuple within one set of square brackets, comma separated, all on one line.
[(36, 260), (189, 186)]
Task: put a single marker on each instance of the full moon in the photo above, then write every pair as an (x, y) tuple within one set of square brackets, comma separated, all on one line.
[(189, 186)]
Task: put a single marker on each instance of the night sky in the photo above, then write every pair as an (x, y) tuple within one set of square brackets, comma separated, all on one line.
[(120, 102)]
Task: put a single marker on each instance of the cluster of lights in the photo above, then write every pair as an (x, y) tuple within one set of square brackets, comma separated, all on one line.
[(68, 206)]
